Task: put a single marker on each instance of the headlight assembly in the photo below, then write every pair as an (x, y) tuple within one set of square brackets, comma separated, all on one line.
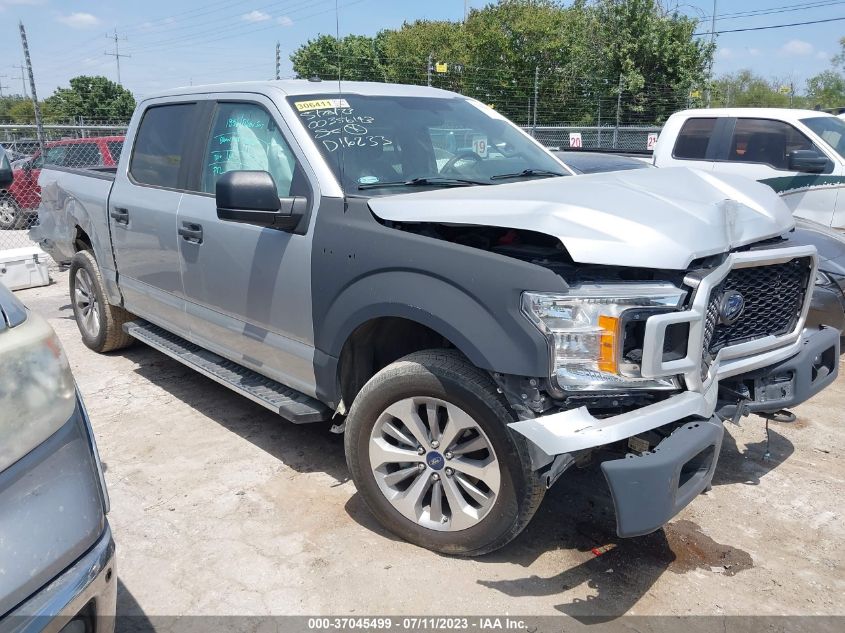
[(37, 393), (588, 331)]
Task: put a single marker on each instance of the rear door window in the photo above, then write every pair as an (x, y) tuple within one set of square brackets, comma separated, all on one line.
[(767, 142), (694, 138), (160, 145)]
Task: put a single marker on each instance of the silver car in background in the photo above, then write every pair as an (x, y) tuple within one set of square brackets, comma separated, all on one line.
[(57, 555)]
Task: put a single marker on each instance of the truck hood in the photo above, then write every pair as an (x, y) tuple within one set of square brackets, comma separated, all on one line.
[(652, 218)]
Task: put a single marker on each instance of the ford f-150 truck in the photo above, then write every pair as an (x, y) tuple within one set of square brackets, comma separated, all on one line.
[(408, 263)]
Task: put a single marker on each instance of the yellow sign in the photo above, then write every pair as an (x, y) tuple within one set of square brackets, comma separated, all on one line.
[(441, 68), (695, 94), (321, 104), (785, 90)]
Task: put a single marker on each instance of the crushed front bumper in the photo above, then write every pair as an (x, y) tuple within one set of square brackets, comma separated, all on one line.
[(649, 489)]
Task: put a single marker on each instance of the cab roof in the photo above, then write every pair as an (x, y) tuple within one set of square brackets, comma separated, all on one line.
[(781, 114), (294, 87)]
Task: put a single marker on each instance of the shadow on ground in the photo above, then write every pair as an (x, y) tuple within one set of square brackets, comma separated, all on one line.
[(303, 447), (576, 515)]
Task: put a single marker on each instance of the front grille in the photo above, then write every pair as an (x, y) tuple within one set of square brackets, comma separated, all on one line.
[(774, 297)]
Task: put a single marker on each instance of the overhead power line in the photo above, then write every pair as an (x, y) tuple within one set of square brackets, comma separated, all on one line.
[(788, 8), (771, 26)]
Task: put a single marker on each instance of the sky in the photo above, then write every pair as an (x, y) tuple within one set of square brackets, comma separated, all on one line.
[(204, 41)]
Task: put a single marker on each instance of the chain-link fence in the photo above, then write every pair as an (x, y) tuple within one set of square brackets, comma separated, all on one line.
[(80, 144), (561, 110)]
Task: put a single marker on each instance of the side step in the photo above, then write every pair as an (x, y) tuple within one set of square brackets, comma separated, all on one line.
[(287, 402)]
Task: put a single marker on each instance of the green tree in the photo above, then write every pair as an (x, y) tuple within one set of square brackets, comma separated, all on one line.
[(652, 54), (92, 98), (353, 58), (745, 89), (17, 109), (577, 52), (826, 90)]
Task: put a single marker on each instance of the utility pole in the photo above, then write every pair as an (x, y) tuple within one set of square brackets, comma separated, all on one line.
[(466, 9), (38, 126), (116, 54), (2, 87), (278, 60), (618, 110), (428, 70), (712, 52), (536, 93), (21, 67)]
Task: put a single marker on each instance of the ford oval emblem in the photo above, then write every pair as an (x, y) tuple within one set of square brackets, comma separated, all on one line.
[(731, 307), (435, 460)]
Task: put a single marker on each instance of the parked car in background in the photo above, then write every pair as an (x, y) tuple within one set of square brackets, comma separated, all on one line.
[(57, 555), (19, 203), (587, 162), (828, 303), (6, 174), (798, 153)]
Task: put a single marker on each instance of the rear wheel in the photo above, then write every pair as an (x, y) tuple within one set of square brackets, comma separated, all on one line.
[(431, 455), (10, 214), (99, 322)]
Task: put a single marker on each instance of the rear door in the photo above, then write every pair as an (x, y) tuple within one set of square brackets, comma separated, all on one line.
[(248, 288), (695, 145), (759, 149), (142, 214)]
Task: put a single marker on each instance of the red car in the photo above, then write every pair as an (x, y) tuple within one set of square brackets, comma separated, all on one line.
[(19, 203)]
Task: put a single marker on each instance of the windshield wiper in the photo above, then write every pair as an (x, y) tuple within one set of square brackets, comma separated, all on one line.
[(527, 173), (434, 181)]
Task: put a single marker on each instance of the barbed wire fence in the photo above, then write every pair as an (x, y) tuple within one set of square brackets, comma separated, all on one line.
[(562, 110)]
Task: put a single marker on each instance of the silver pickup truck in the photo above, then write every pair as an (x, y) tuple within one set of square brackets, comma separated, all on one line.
[(409, 263)]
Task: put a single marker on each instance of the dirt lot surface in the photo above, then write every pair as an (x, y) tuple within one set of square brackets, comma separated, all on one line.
[(220, 507)]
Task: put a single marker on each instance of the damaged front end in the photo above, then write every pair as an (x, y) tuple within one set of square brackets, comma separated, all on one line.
[(649, 372)]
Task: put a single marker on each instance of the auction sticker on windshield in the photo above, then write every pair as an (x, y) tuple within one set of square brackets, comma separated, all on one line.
[(321, 104)]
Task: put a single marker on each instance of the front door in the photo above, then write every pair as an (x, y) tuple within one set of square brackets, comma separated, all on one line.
[(760, 148), (248, 288)]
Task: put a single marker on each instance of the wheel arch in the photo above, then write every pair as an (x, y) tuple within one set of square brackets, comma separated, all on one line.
[(431, 309)]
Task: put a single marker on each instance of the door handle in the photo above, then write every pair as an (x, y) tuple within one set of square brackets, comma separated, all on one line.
[(191, 232), (120, 216)]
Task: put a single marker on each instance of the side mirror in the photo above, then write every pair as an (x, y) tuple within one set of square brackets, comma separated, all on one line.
[(808, 161), (251, 197)]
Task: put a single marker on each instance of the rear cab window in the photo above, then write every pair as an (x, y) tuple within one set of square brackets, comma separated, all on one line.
[(160, 145), (694, 138)]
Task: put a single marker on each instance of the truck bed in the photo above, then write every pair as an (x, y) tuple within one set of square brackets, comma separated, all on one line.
[(74, 207)]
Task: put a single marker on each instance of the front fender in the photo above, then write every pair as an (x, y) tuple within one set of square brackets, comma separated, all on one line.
[(503, 342)]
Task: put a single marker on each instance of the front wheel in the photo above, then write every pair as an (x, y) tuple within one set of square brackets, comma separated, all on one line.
[(430, 453)]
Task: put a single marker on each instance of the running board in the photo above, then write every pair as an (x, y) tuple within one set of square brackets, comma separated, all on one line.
[(288, 403)]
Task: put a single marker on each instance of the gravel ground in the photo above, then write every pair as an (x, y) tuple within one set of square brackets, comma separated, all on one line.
[(219, 507)]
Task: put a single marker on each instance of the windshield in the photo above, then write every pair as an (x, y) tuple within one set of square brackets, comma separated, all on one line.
[(831, 129), (379, 143)]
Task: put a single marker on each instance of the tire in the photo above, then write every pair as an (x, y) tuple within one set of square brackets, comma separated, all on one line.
[(10, 213), (99, 322), (418, 383)]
